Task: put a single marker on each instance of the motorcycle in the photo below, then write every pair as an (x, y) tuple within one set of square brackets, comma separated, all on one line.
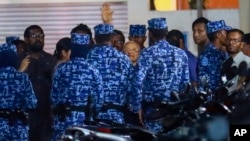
[(204, 116), (105, 130)]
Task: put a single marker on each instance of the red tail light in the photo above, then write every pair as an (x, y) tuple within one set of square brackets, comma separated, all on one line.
[(104, 130)]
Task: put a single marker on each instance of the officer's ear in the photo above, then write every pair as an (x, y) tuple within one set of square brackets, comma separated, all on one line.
[(181, 43), (218, 34), (242, 44), (94, 42)]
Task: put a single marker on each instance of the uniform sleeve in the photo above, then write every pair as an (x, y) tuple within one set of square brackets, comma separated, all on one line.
[(137, 82), (29, 97), (185, 78), (97, 93), (55, 90), (202, 70)]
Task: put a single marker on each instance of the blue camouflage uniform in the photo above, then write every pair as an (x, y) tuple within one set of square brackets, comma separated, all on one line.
[(211, 59), (161, 69), (73, 83), (116, 70), (16, 93)]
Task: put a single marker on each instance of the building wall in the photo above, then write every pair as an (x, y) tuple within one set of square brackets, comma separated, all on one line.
[(138, 12), (244, 15)]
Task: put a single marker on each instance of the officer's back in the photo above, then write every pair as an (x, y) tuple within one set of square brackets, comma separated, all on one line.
[(115, 69), (77, 88), (161, 70), (17, 97)]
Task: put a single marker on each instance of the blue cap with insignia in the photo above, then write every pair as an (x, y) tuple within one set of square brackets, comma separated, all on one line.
[(10, 39), (80, 39), (137, 30), (104, 29), (214, 26), (157, 23)]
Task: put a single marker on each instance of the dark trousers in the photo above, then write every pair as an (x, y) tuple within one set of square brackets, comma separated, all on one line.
[(40, 128), (132, 119)]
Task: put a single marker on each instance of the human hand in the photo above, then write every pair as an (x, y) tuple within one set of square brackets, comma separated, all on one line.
[(24, 64), (107, 13), (140, 117)]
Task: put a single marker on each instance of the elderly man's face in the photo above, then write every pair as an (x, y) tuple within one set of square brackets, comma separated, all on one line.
[(132, 49), (138, 39)]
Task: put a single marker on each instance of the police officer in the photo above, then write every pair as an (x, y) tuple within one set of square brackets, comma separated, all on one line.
[(115, 69), (211, 59), (17, 97), (137, 33), (161, 69), (76, 89)]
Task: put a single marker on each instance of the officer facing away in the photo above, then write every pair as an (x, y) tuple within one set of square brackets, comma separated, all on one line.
[(76, 89), (17, 97), (161, 69), (115, 69)]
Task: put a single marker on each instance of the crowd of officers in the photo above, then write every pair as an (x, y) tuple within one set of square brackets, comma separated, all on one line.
[(100, 78)]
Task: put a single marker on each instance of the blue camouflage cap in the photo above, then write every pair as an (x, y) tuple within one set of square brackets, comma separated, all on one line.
[(137, 30), (80, 39), (104, 29), (157, 23), (8, 47), (10, 39), (214, 26)]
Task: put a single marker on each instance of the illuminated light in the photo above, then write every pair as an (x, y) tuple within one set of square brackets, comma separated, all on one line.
[(165, 5), (104, 130)]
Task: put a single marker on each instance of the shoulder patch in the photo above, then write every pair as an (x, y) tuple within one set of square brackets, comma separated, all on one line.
[(204, 61)]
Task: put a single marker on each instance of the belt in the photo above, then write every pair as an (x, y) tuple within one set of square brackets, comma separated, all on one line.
[(107, 106), (14, 115), (62, 110)]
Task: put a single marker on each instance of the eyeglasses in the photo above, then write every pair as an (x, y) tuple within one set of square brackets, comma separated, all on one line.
[(119, 42), (40, 35), (131, 50), (233, 41)]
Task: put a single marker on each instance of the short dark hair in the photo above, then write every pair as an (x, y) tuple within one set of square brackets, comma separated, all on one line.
[(27, 30), (174, 36), (247, 38), (176, 33), (101, 38), (81, 27), (62, 44), (84, 28), (200, 20), (20, 42), (159, 33), (118, 32), (239, 31)]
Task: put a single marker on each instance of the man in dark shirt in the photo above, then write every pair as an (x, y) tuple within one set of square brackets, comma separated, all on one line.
[(40, 69)]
